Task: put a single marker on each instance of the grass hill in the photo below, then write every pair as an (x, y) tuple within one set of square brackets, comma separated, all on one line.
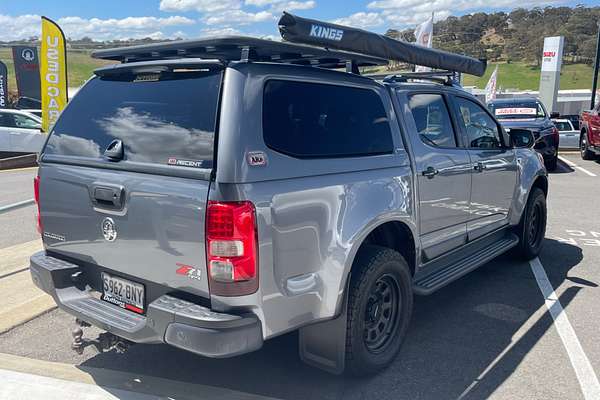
[(526, 77)]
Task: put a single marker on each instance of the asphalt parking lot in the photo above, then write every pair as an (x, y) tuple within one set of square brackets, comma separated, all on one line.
[(505, 331)]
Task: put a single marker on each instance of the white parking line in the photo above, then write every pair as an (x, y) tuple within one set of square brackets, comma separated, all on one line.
[(581, 364), (573, 165)]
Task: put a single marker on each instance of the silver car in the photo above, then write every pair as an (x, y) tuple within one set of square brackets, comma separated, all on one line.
[(213, 203), (569, 136)]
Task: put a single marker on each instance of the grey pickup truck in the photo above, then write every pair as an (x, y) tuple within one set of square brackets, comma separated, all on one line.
[(213, 194)]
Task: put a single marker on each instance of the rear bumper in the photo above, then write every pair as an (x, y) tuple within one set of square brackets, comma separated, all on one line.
[(170, 320)]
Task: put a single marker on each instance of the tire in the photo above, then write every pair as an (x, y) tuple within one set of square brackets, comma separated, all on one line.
[(382, 282), (552, 163), (532, 228), (586, 153)]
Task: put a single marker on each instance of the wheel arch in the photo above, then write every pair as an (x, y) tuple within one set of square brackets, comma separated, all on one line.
[(397, 234), (542, 183)]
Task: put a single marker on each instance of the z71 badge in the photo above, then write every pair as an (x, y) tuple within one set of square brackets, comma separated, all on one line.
[(189, 271)]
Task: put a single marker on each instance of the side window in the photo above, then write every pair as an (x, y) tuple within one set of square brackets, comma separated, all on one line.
[(6, 120), (482, 131), (432, 120), (310, 120), (22, 121)]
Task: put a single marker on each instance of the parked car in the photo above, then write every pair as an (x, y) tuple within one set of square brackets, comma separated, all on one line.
[(569, 136), (20, 132), (530, 113), (213, 203), (589, 140)]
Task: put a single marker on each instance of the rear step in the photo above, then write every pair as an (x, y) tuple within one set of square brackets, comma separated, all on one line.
[(441, 277)]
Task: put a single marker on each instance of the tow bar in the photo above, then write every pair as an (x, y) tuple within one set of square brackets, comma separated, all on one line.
[(106, 341)]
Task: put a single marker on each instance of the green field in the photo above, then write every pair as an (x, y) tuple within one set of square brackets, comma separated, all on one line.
[(525, 77), (79, 67)]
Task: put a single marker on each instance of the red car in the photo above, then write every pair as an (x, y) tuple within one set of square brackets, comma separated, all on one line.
[(589, 141)]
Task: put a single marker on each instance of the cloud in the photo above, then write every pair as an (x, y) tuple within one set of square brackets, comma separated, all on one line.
[(20, 27), (408, 13), (282, 5), (202, 6), (361, 20), (24, 26), (237, 17), (406, 6), (413, 18)]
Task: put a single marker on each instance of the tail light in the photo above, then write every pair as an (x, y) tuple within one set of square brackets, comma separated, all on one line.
[(36, 195), (231, 248), (555, 134)]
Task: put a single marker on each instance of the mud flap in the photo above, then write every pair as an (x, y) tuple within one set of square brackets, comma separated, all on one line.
[(323, 345)]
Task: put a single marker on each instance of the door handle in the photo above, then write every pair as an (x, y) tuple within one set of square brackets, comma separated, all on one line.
[(107, 196), (479, 167), (430, 172)]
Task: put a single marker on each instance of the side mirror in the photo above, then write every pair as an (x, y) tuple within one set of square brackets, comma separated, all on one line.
[(554, 114), (521, 138)]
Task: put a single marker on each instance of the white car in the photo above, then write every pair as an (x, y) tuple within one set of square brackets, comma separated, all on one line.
[(569, 136), (20, 132)]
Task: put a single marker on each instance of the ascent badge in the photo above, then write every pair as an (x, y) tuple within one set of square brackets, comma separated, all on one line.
[(109, 230)]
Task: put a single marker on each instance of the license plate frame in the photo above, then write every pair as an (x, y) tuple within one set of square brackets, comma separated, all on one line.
[(123, 293)]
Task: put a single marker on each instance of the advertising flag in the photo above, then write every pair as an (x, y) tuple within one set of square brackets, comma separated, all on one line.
[(490, 88), (3, 85), (424, 36), (27, 71), (53, 72)]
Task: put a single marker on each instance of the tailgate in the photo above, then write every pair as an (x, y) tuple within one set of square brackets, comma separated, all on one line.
[(124, 177), (159, 229)]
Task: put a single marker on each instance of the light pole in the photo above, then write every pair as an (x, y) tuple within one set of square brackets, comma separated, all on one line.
[(596, 66)]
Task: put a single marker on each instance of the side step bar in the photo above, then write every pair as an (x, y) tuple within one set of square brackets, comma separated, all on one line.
[(439, 278)]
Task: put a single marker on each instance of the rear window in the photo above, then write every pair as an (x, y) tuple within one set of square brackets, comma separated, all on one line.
[(310, 120), (159, 120), (563, 126)]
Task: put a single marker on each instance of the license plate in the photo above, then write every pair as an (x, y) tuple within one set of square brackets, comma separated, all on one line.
[(123, 293)]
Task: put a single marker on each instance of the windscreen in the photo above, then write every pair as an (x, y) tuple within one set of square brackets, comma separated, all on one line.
[(166, 118), (517, 110)]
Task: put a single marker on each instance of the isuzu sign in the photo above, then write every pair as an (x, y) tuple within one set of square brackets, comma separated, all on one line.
[(53, 73), (550, 74), (552, 54)]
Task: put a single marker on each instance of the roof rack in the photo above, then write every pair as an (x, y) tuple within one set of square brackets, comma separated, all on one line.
[(240, 48), (448, 78)]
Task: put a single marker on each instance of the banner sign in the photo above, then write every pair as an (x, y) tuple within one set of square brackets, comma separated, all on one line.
[(27, 71), (3, 85), (516, 111), (424, 37), (53, 72), (490, 88)]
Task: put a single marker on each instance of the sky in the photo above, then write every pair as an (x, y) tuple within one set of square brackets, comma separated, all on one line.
[(169, 19)]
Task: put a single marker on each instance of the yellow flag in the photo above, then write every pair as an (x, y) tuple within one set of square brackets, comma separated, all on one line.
[(53, 72)]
